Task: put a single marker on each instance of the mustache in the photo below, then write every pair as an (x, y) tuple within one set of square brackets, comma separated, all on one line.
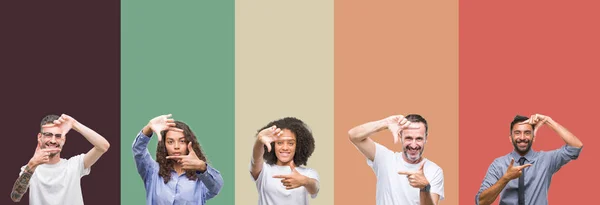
[(522, 140), (408, 147)]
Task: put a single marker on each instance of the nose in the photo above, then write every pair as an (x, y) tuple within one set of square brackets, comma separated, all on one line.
[(176, 145), (53, 139)]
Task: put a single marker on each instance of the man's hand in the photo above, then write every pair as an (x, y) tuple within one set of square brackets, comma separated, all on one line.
[(536, 120), (514, 172), (396, 124), (269, 135), (190, 161), (416, 179), (161, 123), (64, 122), (41, 156), (293, 180)]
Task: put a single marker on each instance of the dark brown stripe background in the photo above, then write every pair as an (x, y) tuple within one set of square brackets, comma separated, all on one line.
[(60, 57)]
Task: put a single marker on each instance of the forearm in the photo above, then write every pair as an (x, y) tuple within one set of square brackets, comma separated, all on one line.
[(567, 136), (147, 130), (20, 186), (92, 136), (425, 198), (311, 185), (257, 158), (213, 181), (362, 132), (489, 195)]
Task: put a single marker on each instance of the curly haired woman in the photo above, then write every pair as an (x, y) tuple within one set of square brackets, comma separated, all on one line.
[(280, 150), (180, 174)]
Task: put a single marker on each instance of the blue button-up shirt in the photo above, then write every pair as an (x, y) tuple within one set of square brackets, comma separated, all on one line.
[(179, 190), (537, 176)]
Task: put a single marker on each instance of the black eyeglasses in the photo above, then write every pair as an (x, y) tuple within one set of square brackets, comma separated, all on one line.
[(50, 134)]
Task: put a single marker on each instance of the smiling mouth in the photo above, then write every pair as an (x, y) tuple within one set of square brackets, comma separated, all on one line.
[(53, 145), (284, 154)]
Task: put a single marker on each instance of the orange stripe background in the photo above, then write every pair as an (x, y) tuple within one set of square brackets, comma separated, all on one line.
[(391, 58)]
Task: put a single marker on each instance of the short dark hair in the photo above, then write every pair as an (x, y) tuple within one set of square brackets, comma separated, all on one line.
[(517, 119), (49, 119), (305, 143), (415, 118)]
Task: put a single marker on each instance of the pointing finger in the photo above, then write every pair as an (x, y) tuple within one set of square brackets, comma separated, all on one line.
[(281, 176), (405, 173), (523, 166)]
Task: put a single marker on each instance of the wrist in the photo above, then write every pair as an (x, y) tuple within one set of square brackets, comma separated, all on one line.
[(76, 125), (202, 168), (305, 180), (30, 167), (383, 124), (504, 179), (426, 188), (147, 130)]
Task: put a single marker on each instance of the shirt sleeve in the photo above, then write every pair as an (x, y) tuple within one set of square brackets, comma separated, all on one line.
[(437, 183), (381, 155), (143, 161), (311, 173), (80, 165), (493, 175), (562, 156), (212, 180)]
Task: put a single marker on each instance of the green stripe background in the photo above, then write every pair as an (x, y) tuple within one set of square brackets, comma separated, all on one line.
[(178, 57)]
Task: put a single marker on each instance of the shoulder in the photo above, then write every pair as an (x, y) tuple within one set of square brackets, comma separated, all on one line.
[(431, 165), (310, 172)]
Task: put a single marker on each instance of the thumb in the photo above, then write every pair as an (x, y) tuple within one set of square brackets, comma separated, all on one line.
[(422, 165), (268, 147), (293, 166), (395, 137), (191, 149), (38, 146), (512, 161)]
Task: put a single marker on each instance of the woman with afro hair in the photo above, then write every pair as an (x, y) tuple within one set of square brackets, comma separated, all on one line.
[(180, 174), (280, 150)]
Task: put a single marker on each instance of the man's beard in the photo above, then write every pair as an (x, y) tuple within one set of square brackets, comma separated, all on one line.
[(522, 152), (420, 150)]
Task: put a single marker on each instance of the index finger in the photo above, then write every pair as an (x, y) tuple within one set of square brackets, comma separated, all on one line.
[(404, 173), (50, 149), (524, 166), (175, 157), (528, 121), (281, 176), (175, 129), (48, 125), (412, 126)]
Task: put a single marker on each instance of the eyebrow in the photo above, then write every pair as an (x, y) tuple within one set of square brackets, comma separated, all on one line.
[(171, 138)]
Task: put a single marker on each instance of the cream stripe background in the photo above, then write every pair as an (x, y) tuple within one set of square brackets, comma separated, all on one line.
[(284, 67)]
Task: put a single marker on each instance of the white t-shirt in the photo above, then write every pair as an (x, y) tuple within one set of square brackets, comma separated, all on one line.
[(272, 192), (57, 183), (393, 188)]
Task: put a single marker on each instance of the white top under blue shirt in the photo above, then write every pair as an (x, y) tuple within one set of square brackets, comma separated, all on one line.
[(179, 190)]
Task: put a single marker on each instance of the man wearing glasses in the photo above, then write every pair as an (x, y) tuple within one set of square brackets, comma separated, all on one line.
[(54, 180)]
